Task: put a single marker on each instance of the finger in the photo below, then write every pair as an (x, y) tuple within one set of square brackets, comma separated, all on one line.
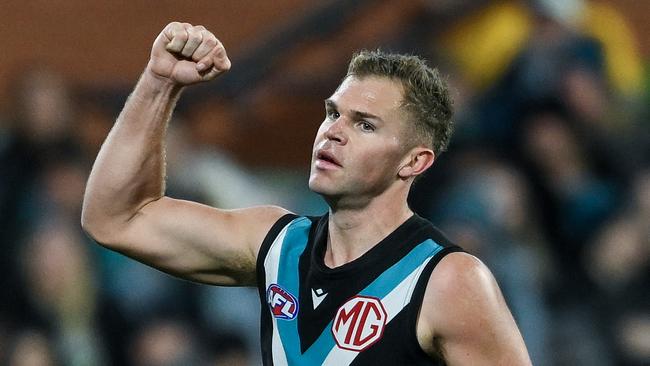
[(177, 37), (208, 43), (213, 73), (216, 61), (195, 36), (216, 71)]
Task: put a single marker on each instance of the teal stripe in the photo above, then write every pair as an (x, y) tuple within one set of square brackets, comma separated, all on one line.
[(293, 245), (388, 280)]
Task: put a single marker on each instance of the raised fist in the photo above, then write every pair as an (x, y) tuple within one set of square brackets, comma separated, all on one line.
[(186, 54)]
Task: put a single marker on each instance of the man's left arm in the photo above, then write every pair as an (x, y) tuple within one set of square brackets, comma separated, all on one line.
[(465, 319)]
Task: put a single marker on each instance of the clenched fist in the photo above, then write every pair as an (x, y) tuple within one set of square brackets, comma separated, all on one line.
[(186, 54)]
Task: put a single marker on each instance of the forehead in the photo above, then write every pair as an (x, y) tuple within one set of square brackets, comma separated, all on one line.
[(377, 95)]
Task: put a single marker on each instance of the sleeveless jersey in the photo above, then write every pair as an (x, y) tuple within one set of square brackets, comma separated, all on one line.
[(361, 313)]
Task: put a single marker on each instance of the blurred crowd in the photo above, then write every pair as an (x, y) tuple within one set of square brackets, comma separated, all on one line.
[(547, 180)]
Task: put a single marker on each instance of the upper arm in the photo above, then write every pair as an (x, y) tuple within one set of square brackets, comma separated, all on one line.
[(195, 241), (465, 315)]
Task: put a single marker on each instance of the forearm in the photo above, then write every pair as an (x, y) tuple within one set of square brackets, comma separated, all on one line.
[(130, 168)]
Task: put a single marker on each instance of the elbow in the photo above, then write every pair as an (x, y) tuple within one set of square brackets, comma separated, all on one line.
[(89, 220), (92, 226), (88, 225), (98, 228)]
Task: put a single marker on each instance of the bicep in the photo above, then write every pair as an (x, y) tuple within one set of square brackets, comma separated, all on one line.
[(471, 320), (198, 242)]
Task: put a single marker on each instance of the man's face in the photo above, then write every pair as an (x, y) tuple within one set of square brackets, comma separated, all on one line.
[(360, 144)]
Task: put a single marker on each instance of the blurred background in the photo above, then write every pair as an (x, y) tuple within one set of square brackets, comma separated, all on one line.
[(547, 179)]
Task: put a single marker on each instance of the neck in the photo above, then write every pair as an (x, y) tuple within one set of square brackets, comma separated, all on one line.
[(355, 229)]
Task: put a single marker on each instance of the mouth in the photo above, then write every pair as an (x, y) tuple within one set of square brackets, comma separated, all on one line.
[(325, 159)]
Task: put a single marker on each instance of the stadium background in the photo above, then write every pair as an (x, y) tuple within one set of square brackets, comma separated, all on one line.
[(547, 179)]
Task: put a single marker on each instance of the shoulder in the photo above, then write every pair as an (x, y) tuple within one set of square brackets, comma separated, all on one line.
[(459, 285), (464, 315), (460, 273), (279, 220), (266, 218)]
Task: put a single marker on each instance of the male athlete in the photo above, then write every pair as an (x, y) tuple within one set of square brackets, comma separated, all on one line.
[(369, 283)]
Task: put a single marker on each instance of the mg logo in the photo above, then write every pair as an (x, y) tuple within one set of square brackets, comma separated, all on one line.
[(283, 304), (359, 323)]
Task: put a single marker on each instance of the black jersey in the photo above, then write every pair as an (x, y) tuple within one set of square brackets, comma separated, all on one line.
[(361, 313)]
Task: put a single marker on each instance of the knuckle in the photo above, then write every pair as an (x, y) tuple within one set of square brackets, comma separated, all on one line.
[(210, 42), (177, 28), (194, 38), (220, 51)]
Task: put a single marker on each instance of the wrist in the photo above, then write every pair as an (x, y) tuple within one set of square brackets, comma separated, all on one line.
[(159, 84)]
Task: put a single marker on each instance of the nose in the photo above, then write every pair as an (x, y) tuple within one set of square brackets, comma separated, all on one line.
[(335, 132)]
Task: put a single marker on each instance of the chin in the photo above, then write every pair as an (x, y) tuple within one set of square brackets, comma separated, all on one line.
[(317, 185)]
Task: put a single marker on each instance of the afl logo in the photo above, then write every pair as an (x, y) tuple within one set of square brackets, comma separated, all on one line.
[(359, 323), (283, 304)]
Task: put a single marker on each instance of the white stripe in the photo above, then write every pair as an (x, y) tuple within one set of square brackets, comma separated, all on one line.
[(272, 260), (279, 357), (271, 264), (393, 302), (397, 299)]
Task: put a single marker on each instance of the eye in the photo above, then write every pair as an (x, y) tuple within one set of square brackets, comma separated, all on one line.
[(333, 114), (366, 126)]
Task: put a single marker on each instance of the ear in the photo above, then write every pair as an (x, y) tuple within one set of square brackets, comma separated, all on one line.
[(416, 162)]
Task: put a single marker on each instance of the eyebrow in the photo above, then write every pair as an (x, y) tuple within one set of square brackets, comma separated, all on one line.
[(357, 114)]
